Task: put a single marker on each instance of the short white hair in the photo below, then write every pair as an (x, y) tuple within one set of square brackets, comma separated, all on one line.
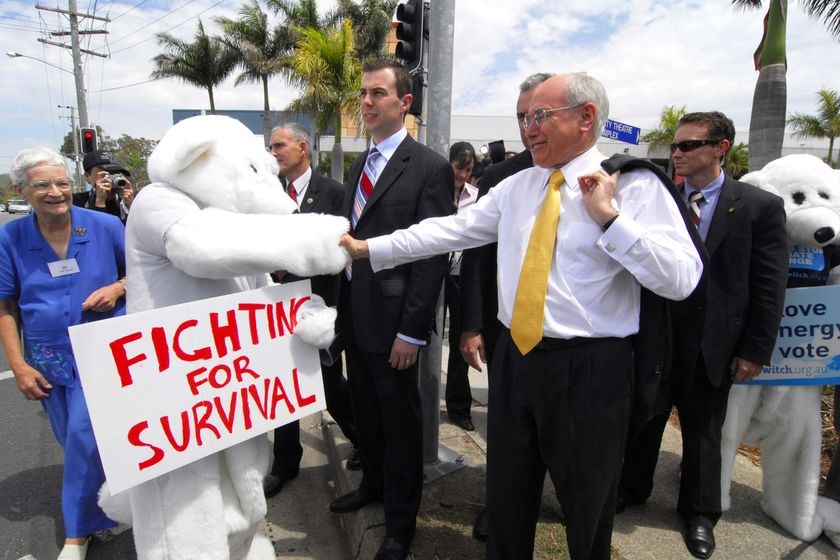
[(31, 157)]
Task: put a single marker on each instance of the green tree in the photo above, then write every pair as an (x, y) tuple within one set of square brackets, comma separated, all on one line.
[(132, 152), (767, 122), (371, 21), (825, 124), (261, 47), (204, 63), (663, 135), (300, 14), (736, 162), (325, 67)]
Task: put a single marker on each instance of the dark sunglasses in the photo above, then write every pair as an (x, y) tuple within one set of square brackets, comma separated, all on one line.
[(691, 145)]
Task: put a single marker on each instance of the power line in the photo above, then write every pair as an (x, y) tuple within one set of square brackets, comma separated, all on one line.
[(123, 87), (168, 29), (188, 2), (130, 9)]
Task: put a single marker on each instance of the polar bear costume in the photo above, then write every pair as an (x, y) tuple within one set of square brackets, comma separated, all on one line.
[(215, 221), (784, 420)]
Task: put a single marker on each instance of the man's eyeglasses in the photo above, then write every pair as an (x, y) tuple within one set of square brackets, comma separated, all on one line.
[(541, 115), (690, 145), (44, 186)]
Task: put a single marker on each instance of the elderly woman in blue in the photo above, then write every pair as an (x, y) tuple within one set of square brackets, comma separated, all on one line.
[(59, 266)]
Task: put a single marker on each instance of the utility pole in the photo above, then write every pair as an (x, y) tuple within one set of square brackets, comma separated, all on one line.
[(78, 69), (74, 134)]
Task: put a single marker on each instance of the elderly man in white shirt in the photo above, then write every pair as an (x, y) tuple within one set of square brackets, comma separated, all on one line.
[(563, 369)]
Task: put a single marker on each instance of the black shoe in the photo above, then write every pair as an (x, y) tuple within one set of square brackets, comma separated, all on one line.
[(354, 461), (480, 527), (464, 423), (392, 549), (352, 501), (699, 539), (272, 484)]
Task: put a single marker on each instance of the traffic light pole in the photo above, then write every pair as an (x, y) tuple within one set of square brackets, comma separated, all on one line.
[(438, 459)]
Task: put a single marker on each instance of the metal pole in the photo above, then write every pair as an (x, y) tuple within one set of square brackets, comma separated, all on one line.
[(75, 134), (78, 70), (438, 460)]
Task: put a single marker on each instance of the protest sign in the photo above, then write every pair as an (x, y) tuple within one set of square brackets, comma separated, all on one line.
[(169, 386), (808, 344)]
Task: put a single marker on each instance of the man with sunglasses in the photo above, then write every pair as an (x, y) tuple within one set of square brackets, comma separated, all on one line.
[(575, 246), (728, 338)]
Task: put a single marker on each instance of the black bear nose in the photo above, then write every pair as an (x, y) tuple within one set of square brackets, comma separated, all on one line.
[(824, 234)]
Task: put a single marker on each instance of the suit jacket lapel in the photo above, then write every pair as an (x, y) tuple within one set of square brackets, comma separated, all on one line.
[(311, 194), (392, 171), (729, 197)]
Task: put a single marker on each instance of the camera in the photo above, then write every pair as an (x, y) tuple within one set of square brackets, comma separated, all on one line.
[(118, 183)]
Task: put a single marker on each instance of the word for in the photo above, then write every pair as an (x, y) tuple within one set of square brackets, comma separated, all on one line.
[(271, 319)]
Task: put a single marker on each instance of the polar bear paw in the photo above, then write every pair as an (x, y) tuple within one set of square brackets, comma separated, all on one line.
[(316, 322)]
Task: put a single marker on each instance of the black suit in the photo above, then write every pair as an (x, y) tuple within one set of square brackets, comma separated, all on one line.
[(479, 293), (744, 288), (416, 183), (322, 196)]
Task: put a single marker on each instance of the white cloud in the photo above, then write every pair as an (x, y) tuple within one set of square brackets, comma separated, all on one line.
[(648, 54)]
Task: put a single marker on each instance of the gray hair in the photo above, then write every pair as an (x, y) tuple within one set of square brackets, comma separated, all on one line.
[(299, 132), (582, 88), (29, 158), (534, 80)]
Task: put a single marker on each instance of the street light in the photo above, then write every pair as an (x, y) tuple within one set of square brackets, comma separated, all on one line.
[(13, 54)]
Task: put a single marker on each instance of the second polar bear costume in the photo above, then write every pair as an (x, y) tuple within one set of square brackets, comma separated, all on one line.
[(215, 221)]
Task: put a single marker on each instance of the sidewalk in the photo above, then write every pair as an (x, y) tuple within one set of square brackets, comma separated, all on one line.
[(451, 503)]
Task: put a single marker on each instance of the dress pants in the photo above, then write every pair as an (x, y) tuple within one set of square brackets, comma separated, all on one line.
[(83, 474), (387, 414), (287, 448), (458, 394), (702, 410), (565, 409)]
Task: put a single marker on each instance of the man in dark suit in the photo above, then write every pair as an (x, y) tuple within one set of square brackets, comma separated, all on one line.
[(479, 293), (385, 318), (729, 338), (290, 146)]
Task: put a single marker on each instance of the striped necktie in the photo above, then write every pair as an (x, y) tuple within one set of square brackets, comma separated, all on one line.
[(363, 192), (694, 200), (526, 324), (365, 187)]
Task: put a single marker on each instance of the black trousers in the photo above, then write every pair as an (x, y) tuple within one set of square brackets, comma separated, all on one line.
[(387, 411), (458, 394), (566, 410), (702, 411), (287, 448)]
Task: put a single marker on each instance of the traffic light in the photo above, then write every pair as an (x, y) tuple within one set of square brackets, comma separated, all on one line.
[(411, 27), (88, 140)]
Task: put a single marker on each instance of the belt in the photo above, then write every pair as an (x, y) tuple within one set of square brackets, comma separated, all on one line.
[(563, 343)]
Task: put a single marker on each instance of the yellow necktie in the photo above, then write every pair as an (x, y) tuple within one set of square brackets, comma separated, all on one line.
[(526, 325)]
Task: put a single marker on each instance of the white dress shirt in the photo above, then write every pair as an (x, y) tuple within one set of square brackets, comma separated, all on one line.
[(301, 184), (468, 196), (593, 287)]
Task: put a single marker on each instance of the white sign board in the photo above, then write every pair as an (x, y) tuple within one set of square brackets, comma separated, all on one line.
[(167, 387), (808, 344)]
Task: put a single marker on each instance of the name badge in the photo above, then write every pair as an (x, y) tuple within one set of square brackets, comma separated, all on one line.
[(63, 268)]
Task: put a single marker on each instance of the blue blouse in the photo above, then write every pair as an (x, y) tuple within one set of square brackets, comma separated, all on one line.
[(48, 305)]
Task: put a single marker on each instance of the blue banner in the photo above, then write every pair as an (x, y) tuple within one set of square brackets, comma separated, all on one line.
[(808, 344), (621, 132)]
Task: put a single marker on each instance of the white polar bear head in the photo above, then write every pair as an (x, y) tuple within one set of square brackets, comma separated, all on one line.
[(220, 164), (811, 191)]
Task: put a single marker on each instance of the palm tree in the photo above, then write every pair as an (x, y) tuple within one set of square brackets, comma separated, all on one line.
[(664, 134), (324, 65), (767, 123), (825, 124), (298, 14), (371, 21), (204, 63), (736, 162), (261, 49)]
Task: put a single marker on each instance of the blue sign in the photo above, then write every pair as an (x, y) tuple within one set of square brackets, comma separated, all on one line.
[(621, 132), (808, 344)]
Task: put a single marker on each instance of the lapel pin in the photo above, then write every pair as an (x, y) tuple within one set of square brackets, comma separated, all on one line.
[(731, 210), (80, 231), (310, 200)]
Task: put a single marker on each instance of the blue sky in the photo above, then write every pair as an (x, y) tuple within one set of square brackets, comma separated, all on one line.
[(648, 54)]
